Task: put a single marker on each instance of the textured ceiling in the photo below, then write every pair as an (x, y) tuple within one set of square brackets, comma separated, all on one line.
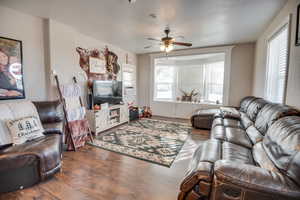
[(202, 22)]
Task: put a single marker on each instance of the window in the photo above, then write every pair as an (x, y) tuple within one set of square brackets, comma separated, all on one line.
[(165, 82), (213, 81), (277, 66), (203, 74)]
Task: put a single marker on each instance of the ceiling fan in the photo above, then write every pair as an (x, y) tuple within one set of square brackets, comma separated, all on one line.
[(167, 43)]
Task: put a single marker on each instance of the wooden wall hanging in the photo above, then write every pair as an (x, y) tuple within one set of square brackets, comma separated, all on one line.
[(111, 62)]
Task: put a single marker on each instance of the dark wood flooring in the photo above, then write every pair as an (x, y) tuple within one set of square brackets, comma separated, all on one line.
[(93, 173)]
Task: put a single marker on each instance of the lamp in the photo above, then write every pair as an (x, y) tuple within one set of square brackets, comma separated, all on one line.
[(169, 48), (166, 48)]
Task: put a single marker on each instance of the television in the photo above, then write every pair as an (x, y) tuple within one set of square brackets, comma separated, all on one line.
[(107, 92)]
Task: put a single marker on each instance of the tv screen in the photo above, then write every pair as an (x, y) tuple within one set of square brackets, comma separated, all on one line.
[(107, 92)]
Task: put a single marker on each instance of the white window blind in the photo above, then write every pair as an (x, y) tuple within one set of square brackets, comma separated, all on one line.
[(213, 77), (164, 83), (277, 66)]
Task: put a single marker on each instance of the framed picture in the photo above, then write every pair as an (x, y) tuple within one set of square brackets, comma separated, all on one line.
[(97, 66), (11, 69), (298, 27)]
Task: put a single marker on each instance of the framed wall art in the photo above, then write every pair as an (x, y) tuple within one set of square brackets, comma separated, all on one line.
[(298, 26), (11, 69), (97, 66)]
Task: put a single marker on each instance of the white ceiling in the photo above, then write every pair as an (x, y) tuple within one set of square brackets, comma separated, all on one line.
[(202, 22)]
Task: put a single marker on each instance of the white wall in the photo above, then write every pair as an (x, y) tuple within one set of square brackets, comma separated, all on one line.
[(29, 30), (49, 45), (293, 92), (64, 59), (241, 77), (241, 73)]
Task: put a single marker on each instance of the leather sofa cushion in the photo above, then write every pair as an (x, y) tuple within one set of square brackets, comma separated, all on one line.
[(46, 149), (254, 107), (233, 135), (270, 113), (245, 120), (256, 179), (254, 135), (237, 153), (53, 126), (282, 145), (238, 136), (210, 151), (245, 102), (261, 158), (227, 122), (218, 132), (49, 111)]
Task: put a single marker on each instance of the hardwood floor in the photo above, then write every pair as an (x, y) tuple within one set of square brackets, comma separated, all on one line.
[(93, 173)]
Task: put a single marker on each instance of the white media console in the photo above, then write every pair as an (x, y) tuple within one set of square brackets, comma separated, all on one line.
[(101, 120)]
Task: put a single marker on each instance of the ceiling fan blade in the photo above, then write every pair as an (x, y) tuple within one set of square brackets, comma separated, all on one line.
[(148, 47), (153, 39), (183, 44)]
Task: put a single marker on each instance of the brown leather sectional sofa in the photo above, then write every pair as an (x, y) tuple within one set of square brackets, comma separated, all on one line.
[(251, 156), (24, 165)]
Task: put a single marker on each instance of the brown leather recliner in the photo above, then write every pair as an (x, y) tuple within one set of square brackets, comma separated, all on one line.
[(254, 157), (24, 165)]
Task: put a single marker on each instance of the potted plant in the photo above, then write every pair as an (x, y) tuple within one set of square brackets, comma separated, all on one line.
[(187, 96)]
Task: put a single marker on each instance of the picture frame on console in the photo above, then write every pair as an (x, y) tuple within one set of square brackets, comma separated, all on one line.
[(11, 69), (298, 27)]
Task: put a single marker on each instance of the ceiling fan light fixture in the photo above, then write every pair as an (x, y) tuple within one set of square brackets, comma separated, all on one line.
[(131, 1), (166, 48), (167, 43), (169, 48)]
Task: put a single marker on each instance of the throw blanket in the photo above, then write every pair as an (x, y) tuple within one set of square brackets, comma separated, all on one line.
[(79, 129), (70, 90), (76, 114)]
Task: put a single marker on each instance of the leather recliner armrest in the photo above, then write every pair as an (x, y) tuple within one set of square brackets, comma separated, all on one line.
[(255, 179), (52, 131), (201, 172), (16, 160)]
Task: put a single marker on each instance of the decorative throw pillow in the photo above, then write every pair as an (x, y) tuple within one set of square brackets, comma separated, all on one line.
[(25, 129)]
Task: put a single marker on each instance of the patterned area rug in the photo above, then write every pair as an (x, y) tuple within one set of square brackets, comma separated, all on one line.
[(151, 140)]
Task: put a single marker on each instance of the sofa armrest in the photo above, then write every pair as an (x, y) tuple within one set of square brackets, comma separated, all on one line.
[(52, 131), (255, 179), (202, 171), (16, 160)]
